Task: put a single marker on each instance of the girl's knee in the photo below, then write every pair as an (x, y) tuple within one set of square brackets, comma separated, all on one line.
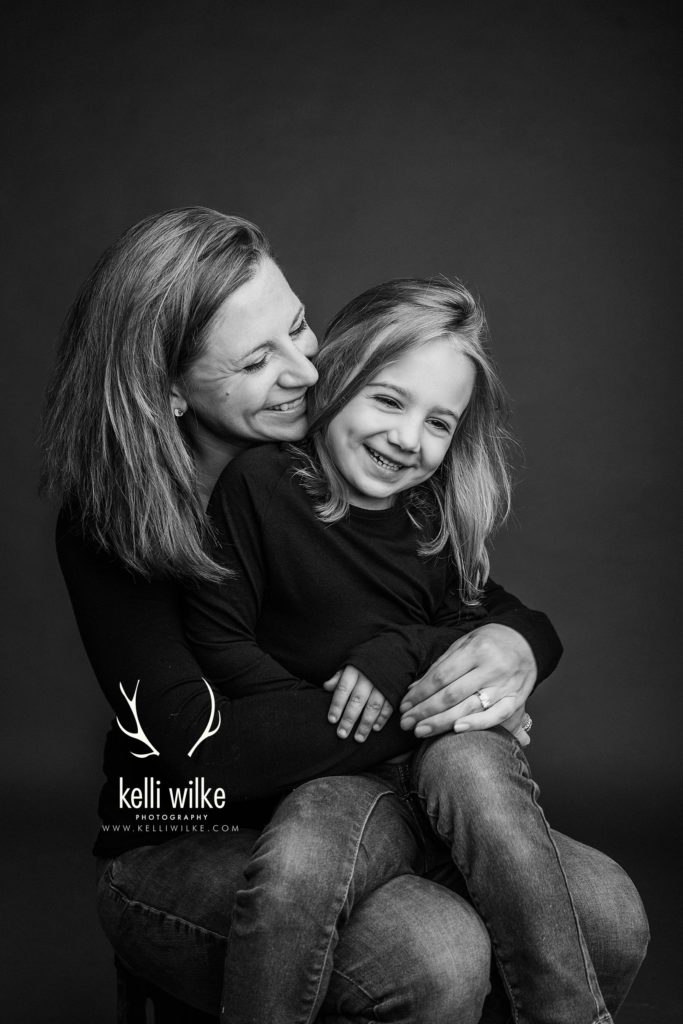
[(326, 836), (483, 758)]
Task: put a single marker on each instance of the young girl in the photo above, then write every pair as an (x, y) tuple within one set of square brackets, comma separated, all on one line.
[(360, 556)]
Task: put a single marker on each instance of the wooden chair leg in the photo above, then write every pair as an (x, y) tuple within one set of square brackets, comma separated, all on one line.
[(133, 994)]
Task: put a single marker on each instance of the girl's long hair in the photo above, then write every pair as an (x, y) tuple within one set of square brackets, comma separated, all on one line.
[(469, 495), (113, 450)]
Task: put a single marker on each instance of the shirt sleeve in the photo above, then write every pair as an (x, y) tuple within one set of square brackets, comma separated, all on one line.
[(221, 619), (504, 608), (267, 743), (395, 658)]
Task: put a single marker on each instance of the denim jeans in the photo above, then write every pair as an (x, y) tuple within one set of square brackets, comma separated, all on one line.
[(567, 926), (410, 952)]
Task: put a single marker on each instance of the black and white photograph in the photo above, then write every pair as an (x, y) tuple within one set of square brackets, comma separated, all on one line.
[(342, 514)]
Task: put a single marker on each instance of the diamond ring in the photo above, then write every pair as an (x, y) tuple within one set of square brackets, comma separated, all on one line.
[(484, 699)]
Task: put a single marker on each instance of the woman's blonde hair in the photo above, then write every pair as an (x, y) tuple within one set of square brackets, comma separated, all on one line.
[(113, 451), (469, 495)]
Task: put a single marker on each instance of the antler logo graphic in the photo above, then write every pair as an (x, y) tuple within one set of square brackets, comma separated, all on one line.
[(139, 733), (208, 731)]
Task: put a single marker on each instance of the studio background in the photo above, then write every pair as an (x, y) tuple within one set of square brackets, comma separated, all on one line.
[(528, 148)]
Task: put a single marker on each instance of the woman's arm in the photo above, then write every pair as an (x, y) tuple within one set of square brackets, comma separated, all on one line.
[(266, 743), (508, 649), (499, 645)]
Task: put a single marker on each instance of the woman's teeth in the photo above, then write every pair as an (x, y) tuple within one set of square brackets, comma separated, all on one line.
[(384, 463), (286, 406)]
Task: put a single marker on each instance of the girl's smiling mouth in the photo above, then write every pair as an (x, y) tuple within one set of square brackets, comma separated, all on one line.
[(383, 462)]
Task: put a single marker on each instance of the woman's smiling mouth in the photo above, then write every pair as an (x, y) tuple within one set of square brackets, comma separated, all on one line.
[(294, 404)]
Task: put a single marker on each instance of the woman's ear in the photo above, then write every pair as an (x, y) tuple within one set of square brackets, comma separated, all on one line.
[(178, 402)]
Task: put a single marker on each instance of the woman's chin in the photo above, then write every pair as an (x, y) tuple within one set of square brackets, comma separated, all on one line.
[(294, 432)]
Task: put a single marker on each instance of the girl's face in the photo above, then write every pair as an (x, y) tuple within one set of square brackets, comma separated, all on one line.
[(395, 432), (250, 383)]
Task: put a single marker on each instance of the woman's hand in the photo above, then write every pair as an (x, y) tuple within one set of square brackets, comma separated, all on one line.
[(353, 694), (494, 660), (514, 725)]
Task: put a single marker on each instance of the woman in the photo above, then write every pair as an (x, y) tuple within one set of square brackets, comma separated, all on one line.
[(184, 346)]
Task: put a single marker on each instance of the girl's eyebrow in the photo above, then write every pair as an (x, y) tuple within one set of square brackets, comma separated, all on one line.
[(440, 410)]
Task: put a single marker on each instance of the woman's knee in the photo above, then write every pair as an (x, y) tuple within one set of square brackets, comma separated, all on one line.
[(611, 913), (411, 951)]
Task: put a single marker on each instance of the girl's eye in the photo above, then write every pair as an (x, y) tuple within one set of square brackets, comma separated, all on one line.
[(388, 401), (300, 327), (253, 367), (441, 426)]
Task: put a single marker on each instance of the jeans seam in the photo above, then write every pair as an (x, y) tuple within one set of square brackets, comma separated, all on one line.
[(352, 865), (585, 957), (148, 908), (524, 770), (361, 989)]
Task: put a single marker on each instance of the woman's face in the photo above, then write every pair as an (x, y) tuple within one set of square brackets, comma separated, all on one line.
[(250, 383)]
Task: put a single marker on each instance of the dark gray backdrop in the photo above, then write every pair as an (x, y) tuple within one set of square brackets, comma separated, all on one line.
[(529, 148)]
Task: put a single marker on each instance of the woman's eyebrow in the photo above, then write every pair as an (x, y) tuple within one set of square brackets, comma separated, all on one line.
[(440, 410), (301, 312), (252, 351)]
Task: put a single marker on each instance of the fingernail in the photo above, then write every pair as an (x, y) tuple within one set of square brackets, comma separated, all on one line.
[(423, 730), (460, 727), (361, 739), (332, 718), (407, 723), (342, 733), (376, 728)]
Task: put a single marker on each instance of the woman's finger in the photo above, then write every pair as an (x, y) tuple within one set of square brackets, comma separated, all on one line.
[(523, 738), (458, 660), (453, 696), (371, 712), (495, 715), (345, 684), (452, 719)]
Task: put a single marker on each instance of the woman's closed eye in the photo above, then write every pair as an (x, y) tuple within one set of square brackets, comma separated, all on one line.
[(300, 327), (258, 364)]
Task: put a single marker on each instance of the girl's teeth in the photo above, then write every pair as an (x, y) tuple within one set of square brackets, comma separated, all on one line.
[(382, 462)]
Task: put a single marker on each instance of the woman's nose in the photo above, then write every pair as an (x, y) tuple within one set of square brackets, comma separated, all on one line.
[(299, 371)]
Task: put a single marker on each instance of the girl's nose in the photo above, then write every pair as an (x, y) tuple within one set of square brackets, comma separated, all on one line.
[(405, 436)]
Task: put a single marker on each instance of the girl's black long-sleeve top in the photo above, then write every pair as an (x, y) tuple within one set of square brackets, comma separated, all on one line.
[(268, 741)]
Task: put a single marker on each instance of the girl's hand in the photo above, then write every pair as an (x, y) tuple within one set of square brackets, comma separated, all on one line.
[(493, 659), (353, 694)]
